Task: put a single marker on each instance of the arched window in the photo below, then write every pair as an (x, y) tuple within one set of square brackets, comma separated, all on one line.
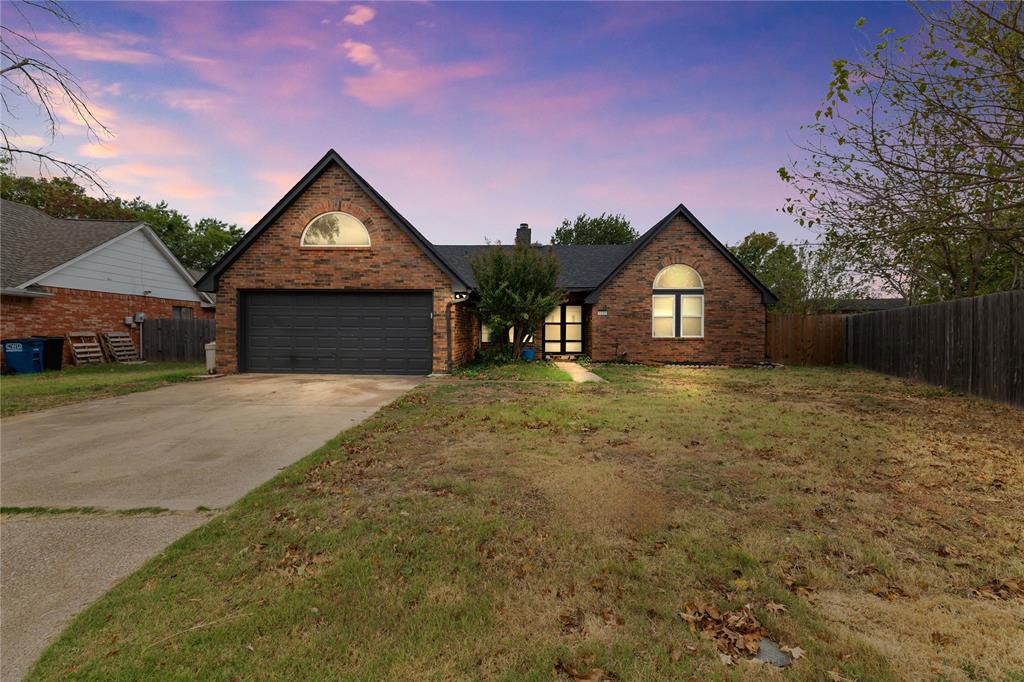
[(335, 229), (677, 304)]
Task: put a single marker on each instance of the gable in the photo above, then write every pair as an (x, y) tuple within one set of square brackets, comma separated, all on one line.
[(315, 201), (678, 236), (131, 264)]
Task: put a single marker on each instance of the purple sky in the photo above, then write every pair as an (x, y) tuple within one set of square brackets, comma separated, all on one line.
[(469, 118)]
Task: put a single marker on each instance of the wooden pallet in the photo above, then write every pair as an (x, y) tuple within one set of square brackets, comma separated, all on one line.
[(119, 347), (85, 348)]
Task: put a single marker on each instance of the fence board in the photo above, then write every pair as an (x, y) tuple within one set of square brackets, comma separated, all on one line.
[(973, 345), (795, 339), (166, 340)]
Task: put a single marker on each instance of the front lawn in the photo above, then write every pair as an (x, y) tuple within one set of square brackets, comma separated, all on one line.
[(33, 392), (869, 525), (539, 370)]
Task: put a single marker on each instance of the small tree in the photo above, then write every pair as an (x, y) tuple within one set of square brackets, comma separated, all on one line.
[(518, 287), (603, 229)]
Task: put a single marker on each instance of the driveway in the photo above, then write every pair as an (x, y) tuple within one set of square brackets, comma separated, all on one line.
[(181, 448)]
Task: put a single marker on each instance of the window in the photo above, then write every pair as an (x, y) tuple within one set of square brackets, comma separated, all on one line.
[(677, 304), (335, 230), (181, 312), (563, 330), (485, 335)]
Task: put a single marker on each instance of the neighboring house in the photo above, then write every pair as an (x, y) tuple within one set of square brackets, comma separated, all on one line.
[(334, 279), (62, 276)]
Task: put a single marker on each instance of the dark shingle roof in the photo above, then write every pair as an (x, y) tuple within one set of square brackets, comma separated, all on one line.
[(582, 267), (32, 242)]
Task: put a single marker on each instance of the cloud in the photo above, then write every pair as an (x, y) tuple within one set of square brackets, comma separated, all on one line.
[(94, 150), (159, 180), (192, 100), (106, 47), (389, 87), (361, 54), (26, 141), (359, 15)]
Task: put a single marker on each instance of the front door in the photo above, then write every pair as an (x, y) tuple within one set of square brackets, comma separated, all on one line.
[(563, 330)]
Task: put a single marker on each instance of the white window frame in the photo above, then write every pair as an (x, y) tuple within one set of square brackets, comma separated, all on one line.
[(664, 317), (684, 317)]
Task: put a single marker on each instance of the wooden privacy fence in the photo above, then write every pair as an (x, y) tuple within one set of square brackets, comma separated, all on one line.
[(176, 340), (795, 339), (974, 345)]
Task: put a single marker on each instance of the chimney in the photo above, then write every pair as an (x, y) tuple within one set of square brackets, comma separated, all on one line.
[(523, 234)]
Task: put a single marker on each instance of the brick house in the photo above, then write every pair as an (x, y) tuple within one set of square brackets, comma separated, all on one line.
[(62, 276), (334, 279)]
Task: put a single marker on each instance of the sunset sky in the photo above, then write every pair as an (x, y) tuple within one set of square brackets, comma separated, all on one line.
[(469, 118)]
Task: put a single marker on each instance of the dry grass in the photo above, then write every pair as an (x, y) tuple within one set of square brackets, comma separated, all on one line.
[(497, 531)]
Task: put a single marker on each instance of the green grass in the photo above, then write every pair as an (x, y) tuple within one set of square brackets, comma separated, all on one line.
[(34, 392), (540, 370), (484, 530)]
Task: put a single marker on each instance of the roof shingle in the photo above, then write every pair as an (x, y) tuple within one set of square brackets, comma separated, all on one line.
[(32, 242), (582, 267)]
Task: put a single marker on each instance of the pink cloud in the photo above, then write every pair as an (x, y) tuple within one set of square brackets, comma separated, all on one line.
[(389, 87), (359, 15), (94, 150), (158, 180), (361, 54), (106, 47)]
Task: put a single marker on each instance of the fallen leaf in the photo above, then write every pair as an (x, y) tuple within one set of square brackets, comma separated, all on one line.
[(726, 659), (775, 607), (675, 655)]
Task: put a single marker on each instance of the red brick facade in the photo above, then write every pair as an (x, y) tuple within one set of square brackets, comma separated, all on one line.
[(734, 315), (73, 310), (393, 261)]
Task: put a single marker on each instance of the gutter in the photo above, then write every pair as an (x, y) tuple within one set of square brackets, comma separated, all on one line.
[(24, 293)]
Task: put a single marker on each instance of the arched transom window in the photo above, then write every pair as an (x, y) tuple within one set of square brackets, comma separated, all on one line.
[(677, 304), (335, 229)]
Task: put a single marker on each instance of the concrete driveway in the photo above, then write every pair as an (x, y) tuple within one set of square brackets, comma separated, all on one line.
[(182, 447)]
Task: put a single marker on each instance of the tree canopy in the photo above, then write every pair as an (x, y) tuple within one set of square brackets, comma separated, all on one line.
[(806, 278), (197, 245), (603, 229), (517, 287), (913, 168)]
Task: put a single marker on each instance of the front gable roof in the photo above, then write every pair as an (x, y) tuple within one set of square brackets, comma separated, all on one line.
[(208, 282), (767, 297)]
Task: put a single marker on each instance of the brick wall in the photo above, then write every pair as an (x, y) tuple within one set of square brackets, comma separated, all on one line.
[(734, 316), (393, 261), (74, 310), (465, 334)]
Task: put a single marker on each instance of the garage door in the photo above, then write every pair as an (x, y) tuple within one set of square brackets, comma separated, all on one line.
[(337, 333)]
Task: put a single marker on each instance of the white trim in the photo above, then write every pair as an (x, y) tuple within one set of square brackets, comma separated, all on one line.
[(304, 245), (24, 293), (684, 317), (671, 297), (82, 255)]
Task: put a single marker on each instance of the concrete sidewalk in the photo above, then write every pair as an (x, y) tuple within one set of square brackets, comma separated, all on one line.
[(578, 373)]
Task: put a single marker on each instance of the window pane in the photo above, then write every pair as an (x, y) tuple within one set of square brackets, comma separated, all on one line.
[(552, 347), (664, 326), (573, 347), (573, 313), (691, 326), (664, 306), (692, 306), (335, 229), (485, 334), (553, 332), (555, 315), (574, 332), (678, 277)]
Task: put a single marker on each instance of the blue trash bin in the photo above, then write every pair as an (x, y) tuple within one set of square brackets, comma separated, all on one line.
[(23, 356), (529, 354)]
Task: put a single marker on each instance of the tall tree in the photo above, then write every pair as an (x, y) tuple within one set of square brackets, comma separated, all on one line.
[(197, 246), (914, 165), (31, 78), (603, 229), (517, 288), (805, 277)]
